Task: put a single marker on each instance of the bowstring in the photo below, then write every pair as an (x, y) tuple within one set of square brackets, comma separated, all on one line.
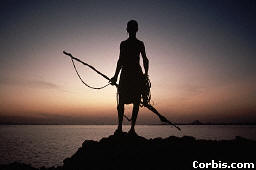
[(97, 88)]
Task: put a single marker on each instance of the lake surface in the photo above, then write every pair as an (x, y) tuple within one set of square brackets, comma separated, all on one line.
[(49, 145)]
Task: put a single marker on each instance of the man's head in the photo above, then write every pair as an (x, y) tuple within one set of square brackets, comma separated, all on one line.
[(132, 26)]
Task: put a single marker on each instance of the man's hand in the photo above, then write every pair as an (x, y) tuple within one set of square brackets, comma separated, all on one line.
[(113, 80), (145, 76)]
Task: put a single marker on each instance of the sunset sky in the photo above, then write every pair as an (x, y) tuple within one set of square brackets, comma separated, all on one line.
[(202, 62)]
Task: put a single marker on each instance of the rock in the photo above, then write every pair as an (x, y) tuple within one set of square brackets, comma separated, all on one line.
[(135, 152)]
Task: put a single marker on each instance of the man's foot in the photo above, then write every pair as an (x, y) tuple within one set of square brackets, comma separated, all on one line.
[(132, 132), (118, 132)]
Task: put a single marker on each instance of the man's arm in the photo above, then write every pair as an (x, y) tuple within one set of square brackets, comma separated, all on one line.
[(118, 67), (145, 59)]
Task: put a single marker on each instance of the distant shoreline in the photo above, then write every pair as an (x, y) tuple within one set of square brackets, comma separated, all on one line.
[(189, 124)]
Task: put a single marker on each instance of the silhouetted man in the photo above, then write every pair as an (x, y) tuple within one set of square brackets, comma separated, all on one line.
[(132, 77)]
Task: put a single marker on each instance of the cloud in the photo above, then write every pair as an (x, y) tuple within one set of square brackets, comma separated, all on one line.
[(29, 83), (192, 89), (42, 84)]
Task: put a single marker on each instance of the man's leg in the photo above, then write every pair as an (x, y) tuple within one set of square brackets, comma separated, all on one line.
[(134, 115), (120, 109)]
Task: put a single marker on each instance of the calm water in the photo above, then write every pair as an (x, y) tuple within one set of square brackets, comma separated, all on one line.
[(49, 145)]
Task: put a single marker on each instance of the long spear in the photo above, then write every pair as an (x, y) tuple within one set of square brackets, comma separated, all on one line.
[(149, 106)]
